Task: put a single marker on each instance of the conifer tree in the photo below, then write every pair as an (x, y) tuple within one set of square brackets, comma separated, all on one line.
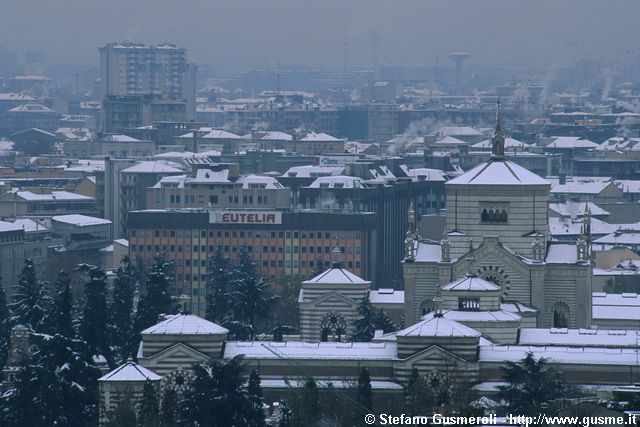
[(364, 324), (121, 312), (158, 299), (218, 296), (369, 321), (364, 391), (251, 294), (57, 385), (5, 328), (30, 299), (218, 396), (255, 417), (93, 325), (60, 317), (149, 412)]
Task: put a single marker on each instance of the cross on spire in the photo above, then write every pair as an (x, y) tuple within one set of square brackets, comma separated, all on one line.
[(497, 141)]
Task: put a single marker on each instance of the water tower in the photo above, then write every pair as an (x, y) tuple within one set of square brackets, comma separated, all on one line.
[(458, 58)]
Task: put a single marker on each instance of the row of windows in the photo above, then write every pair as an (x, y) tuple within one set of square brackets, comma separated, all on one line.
[(257, 234), (249, 248)]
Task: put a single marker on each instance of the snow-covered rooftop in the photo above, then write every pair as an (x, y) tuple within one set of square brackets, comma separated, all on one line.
[(153, 167), (579, 337), (471, 283), (80, 220), (319, 137), (336, 275), (571, 142), (481, 316), (562, 254), (508, 143), (560, 354), (54, 195), (386, 296), (311, 171), (437, 326), (130, 371), (9, 226), (572, 209), (312, 351), (458, 131), (185, 324), (426, 252), (499, 173), (624, 306), (337, 181), (209, 133)]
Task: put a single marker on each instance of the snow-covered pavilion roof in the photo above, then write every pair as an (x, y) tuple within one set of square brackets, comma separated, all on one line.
[(498, 173), (336, 275), (437, 326), (185, 324), (130, 371)]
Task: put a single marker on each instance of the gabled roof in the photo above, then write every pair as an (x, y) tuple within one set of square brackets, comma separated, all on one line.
[(508, 143), (499, 173), (322, 137), (131, 371), (449, 140), (337, 275), (185, 324), (571, 142), (471, 283), (437, 326), (151, 167)]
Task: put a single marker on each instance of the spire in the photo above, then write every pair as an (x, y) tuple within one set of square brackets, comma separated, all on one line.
[(497, 141)]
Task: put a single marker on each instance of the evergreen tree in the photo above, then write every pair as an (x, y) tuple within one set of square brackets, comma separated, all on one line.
[(364, 391), (218, 396), (255, 417), (5, 328), (30, 299), (365, 327), (218, 296), (121, 312), (382, 322), (149, 412), (369, 321), (307, 411), (124, 415), (158, 299), (531, 385), (60, 318), (93, 325), (251, 294), (169, 410), (57, 385)]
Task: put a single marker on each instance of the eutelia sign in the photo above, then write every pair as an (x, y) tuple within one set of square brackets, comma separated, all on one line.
[(244, 217)]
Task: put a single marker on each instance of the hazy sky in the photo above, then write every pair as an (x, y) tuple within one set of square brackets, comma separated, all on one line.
[(306, 32)]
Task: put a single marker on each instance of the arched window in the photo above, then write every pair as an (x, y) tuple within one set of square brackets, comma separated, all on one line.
[(484, 216), (332, 327), (560, 315)]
